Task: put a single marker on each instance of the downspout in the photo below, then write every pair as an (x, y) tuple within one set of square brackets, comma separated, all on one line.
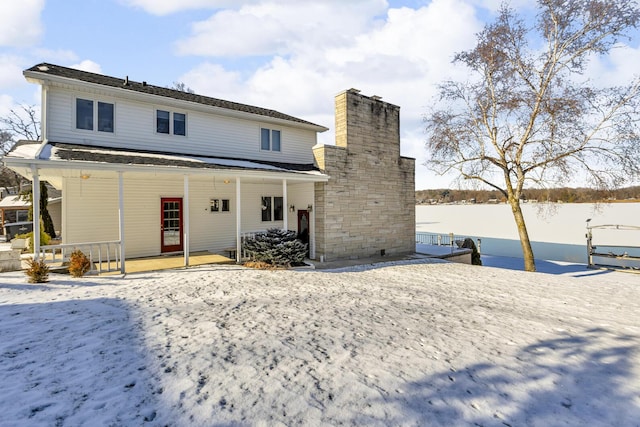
[(44, 128)]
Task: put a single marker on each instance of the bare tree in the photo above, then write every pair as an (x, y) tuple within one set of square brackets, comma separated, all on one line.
[(8, 178), (24, 123), (6, 141), (529, 116), (182, 87)]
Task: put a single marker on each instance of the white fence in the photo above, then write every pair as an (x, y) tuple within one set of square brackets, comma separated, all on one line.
[(104, 256)]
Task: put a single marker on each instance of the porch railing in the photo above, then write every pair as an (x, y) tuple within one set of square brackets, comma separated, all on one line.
[(248, 235), (104, 256), (437, 239)]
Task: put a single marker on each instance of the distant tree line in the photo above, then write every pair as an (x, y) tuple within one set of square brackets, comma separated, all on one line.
[(564, 195)]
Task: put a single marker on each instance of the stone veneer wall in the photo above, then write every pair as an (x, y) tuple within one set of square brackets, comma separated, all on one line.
[(368, 205)]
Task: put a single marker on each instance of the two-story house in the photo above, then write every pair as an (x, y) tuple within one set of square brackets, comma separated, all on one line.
[(156, 170), (163, 170)]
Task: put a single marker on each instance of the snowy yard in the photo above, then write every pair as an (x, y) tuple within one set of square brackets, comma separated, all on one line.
[(428, 343)]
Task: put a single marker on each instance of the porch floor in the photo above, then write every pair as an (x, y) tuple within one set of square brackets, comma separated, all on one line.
[(167, 262)]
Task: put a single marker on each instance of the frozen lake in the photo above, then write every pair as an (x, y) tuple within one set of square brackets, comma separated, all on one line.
[(557, 231)]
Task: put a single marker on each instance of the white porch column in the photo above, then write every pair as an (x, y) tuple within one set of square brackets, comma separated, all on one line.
[(185, 215), (121, 220), (238, 222), (285, 214), (35, 203)]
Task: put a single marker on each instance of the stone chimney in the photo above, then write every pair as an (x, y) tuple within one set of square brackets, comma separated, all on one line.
[(367, 208)]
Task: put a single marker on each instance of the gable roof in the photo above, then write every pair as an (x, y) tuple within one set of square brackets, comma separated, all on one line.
[(45, 69)]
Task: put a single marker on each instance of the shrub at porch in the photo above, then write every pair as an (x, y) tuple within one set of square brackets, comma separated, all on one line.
[(38, 271), (79, 264), (44, 237), (276, 247)]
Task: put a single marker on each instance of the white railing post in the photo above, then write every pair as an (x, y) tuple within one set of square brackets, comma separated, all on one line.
[(121, 219), (238, 222), (35, 205), (185, 215)]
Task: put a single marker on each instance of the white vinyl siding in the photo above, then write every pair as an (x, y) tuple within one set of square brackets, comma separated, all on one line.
[(206, 134), (90, 210)]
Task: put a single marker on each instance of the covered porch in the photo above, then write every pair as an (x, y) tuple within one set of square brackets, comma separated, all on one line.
[(152, 205)]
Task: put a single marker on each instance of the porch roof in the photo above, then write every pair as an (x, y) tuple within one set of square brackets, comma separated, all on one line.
[(60, 155)]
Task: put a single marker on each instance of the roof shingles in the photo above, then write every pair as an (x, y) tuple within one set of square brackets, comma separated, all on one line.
[(125, 83)]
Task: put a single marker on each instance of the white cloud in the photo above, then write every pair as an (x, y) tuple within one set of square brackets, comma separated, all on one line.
[(618, 68), (88, 65), (20, 24), (166, 7), (214, 80), (56, 56), (399, 54), (11, 71), (276, 27), (6, 105)]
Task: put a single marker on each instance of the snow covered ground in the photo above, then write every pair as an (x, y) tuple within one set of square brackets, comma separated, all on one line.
[(421, 342)]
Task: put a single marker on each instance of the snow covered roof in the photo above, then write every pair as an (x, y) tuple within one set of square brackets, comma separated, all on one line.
[(64, 152), (14, 202)]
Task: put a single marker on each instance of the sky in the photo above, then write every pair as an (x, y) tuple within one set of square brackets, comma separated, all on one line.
[(287, 55)]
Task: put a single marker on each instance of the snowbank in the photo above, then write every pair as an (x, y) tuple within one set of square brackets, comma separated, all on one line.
[(422, 343)]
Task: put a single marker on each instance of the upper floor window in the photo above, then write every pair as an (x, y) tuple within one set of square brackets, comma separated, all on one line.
[(105, 117), (269, 139), (164, 124), (87, 114)]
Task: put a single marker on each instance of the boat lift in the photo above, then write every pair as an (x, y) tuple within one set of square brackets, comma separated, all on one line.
[(614, 256)]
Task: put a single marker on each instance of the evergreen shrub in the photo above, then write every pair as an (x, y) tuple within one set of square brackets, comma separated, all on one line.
[(44, 237), (276, 247)]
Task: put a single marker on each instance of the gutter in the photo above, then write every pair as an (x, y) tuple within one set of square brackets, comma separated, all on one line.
[(156, 169)]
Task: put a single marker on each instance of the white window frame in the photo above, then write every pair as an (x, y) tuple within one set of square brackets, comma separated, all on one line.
[(272, 209), (217, 205), (172, 114), (271, 133), (95, 111)]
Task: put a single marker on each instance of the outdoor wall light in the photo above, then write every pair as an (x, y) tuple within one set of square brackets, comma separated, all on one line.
[(310, 207), (226, 181), (85, 176), (292, 208)]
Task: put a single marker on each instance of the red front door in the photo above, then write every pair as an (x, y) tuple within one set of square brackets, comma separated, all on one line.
[(171, 224)]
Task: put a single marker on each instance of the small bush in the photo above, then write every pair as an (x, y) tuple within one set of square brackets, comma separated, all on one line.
[(276, 247), (44, 238), (38, 271), (79, 264)]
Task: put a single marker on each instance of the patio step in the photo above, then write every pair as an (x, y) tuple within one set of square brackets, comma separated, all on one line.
[(10, 260)]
